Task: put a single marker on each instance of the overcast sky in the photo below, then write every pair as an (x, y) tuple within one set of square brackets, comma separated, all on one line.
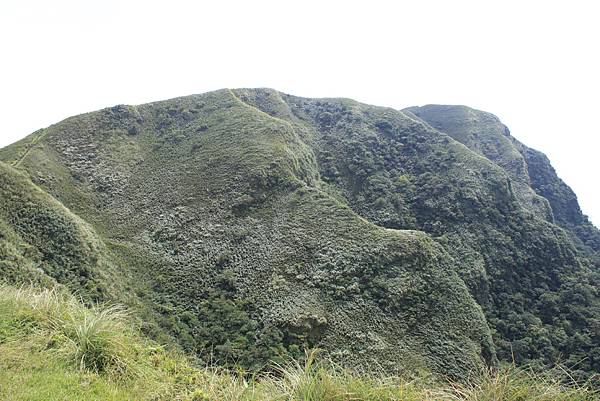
[(535, 64)]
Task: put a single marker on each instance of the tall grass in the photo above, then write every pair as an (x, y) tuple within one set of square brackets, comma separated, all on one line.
[(96, 339), (49, 338), (318, 380), (512, 383), (95, 342)]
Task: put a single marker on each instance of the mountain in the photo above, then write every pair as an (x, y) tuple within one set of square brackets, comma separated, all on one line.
[(248, 224), (530, 170)]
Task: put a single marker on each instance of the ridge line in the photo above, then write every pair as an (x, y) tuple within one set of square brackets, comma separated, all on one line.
[(30, 146), (236, 97)]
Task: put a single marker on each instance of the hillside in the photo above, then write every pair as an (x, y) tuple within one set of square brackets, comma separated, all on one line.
[(530, 169), (248, 224)]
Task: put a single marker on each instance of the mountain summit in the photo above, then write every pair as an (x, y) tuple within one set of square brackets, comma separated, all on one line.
[(247, 224)]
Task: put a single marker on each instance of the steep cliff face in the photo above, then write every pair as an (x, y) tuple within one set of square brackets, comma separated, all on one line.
[(563, 201), (531, 172), (485, 134), (249, 223)]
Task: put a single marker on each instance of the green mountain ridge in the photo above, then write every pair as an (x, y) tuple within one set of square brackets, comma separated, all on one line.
[(485, 134), (246, 224)]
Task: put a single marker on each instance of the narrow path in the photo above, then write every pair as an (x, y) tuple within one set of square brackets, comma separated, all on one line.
[(30, 146), (236, 97)]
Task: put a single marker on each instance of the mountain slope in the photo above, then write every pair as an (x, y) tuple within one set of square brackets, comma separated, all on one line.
[(218, 207), (485, 134), (42, 241), (538, 291), (249, 223)]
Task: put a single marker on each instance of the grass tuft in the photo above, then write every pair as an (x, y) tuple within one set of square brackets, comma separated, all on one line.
[(513, 383), (95, 341), (98, 339)]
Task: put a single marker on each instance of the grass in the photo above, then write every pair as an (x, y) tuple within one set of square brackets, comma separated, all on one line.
[(94, 346), (54, 348), (89, 339), (315, 379), (521, 384)]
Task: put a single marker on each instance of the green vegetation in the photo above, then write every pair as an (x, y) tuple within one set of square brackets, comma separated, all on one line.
[(540, 294), (53, 348), (39, 235), (208, 186), (242, 227), (545, 306)]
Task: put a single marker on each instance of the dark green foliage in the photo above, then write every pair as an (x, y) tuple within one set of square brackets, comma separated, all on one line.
[(510, 255), (41, 241), (249, 224), (545, 303), (223, 329)]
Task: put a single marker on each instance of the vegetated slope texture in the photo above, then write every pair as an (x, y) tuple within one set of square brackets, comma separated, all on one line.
[(531, 170), (247, 224)]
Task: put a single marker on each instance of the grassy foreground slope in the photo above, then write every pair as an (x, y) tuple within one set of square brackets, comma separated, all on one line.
[(53, 348)]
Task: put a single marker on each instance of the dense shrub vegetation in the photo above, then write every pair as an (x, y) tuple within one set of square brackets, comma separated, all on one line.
[(245, 226), (540, 295)]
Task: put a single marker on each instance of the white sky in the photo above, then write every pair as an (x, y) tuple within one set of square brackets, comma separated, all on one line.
[(535, 64)]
